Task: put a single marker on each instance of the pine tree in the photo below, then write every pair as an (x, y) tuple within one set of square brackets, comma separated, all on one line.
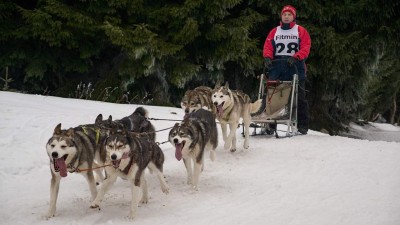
[(385, 85), (161, 48), (344, 36)]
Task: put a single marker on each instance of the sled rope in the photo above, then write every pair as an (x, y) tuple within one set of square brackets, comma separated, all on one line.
[(272, 95), (160, 143), (138, 134), (163, 119), (93, 168)]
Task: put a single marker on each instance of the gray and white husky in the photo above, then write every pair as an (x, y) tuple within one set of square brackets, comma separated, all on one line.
[(190, 138), (198, 98), (231, 106), (130, 156), (78, 149)]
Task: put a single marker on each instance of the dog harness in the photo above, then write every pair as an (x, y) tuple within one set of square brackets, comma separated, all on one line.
[(97, 131)]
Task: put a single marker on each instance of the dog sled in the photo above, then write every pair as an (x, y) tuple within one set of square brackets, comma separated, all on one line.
[(278, 105)]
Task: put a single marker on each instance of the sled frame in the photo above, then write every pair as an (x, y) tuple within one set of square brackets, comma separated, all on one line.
[(263, 123)]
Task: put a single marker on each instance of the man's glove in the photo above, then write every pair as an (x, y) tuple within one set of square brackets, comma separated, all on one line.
[(291, 61), (267, 63)]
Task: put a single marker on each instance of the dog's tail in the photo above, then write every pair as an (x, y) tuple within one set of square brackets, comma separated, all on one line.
[(142, 111), (257, 107)]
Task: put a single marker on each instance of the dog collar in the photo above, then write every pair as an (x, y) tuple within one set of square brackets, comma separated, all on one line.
[(71, 168), (131, 161)]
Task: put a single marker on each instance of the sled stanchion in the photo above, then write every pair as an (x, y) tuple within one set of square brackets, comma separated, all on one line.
[(260, 89), (294, 99)]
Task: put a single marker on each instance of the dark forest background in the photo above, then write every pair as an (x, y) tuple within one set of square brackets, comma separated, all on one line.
[(150, 52)]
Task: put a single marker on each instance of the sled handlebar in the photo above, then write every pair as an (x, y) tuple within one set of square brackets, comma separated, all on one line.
[(276, 82), (265, 71)]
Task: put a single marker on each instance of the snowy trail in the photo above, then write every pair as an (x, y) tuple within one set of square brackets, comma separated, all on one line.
[(313, 179)]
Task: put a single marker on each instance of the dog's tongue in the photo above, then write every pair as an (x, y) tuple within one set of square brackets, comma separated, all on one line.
[(60, 163), (178, 151), (220, 110)]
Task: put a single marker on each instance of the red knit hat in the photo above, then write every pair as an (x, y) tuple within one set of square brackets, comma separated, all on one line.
[(290, 9)]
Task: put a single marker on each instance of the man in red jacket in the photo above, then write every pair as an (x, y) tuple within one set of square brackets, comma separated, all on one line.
[(287, 45)]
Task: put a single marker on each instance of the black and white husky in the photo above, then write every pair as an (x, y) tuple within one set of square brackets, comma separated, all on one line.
[(190, 138), (136, 122), (78, 149), (130, 155)]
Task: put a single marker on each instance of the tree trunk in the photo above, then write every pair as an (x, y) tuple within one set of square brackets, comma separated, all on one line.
[(160, 87), (393, 110)]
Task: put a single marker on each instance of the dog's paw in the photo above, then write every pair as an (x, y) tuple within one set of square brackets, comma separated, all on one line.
[(132, 215), (233, 150), (48, 216), (94, 205), (144, 200), (195, 188), (165, 190), (227, 145)]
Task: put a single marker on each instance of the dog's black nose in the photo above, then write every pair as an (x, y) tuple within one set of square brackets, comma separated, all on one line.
[(113, 156), (216, 103), (54, 154), (175, 140), (187, 110)]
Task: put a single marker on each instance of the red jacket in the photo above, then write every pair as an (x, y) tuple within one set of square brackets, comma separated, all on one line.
[(304, 48)]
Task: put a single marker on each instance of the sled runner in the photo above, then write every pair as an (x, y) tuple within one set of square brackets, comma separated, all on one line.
[(278, 106)]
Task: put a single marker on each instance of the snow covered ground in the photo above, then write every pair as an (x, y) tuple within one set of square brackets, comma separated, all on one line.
[(374, 132), (315, 179)]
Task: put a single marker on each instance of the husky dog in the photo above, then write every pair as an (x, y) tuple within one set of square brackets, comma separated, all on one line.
[(231, 106), (72, 150), (136, 122), (130, 156), (190, 137), (198, 98)]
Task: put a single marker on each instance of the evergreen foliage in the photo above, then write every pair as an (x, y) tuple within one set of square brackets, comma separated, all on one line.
[(152, 51)]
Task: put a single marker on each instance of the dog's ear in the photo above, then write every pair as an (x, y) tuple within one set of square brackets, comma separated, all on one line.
[(227, 85), (218, 84), (109, 119), (57, 129), (70, 132), (99, 118), (187, 92)]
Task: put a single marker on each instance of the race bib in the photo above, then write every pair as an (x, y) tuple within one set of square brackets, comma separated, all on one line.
[(286, 41)]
